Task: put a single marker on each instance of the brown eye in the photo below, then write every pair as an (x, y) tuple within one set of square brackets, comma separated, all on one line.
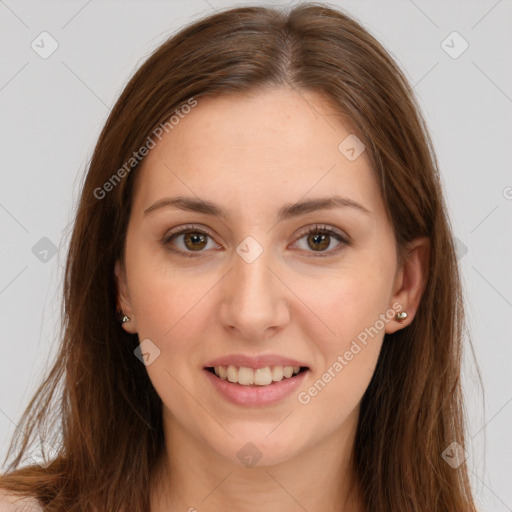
[(188, 240), (320, 238)]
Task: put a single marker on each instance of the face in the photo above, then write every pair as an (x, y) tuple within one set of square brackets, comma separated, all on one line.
[(265, 284)]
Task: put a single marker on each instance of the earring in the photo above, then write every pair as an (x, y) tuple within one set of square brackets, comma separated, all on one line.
[(122, 318), (401, 316)]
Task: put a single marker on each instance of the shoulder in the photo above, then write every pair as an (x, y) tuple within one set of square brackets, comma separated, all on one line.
[(13, 503)]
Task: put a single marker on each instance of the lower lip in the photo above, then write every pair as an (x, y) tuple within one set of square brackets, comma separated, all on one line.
[(256, 395)]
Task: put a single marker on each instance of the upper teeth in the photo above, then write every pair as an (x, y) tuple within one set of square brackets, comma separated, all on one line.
[(259, 376)]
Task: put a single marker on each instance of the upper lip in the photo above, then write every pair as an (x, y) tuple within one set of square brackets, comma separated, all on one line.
[(248, 361)]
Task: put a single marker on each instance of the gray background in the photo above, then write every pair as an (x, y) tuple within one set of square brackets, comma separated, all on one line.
[(52, 111)]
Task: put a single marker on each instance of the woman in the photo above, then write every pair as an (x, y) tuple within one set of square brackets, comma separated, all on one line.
[(262, 302)]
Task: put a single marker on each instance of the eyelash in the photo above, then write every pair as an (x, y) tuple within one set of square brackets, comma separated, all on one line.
[(317, 229)]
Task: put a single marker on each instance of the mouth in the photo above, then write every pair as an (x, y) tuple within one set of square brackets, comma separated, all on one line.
[(256, 377)]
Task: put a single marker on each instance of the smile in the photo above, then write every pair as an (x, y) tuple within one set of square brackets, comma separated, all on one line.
[(256, 387)]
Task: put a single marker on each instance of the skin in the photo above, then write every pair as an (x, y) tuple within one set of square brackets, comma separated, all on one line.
[(251, 155)]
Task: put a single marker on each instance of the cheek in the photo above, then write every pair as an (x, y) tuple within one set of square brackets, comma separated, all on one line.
[(349, 354), (348, 302), (351, 348), (166, 297), (353, 309)]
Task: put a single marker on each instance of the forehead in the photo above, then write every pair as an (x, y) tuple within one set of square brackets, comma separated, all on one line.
[(281, 119), (254, 148)]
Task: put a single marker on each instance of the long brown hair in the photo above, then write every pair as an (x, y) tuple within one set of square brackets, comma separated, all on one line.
[(98, 396)]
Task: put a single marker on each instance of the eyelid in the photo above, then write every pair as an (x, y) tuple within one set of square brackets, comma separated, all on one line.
[(185, 228)]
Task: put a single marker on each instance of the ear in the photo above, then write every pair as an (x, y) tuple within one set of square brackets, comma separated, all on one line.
[(410, 281), (123, 298)]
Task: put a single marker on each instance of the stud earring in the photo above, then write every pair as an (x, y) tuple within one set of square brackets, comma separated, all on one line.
[(122, 318), (401, 316)]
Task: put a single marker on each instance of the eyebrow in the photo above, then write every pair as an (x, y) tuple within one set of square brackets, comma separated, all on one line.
[(191, 204)]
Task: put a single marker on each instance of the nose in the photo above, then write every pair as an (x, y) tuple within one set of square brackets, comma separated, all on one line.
[(255, 301)]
